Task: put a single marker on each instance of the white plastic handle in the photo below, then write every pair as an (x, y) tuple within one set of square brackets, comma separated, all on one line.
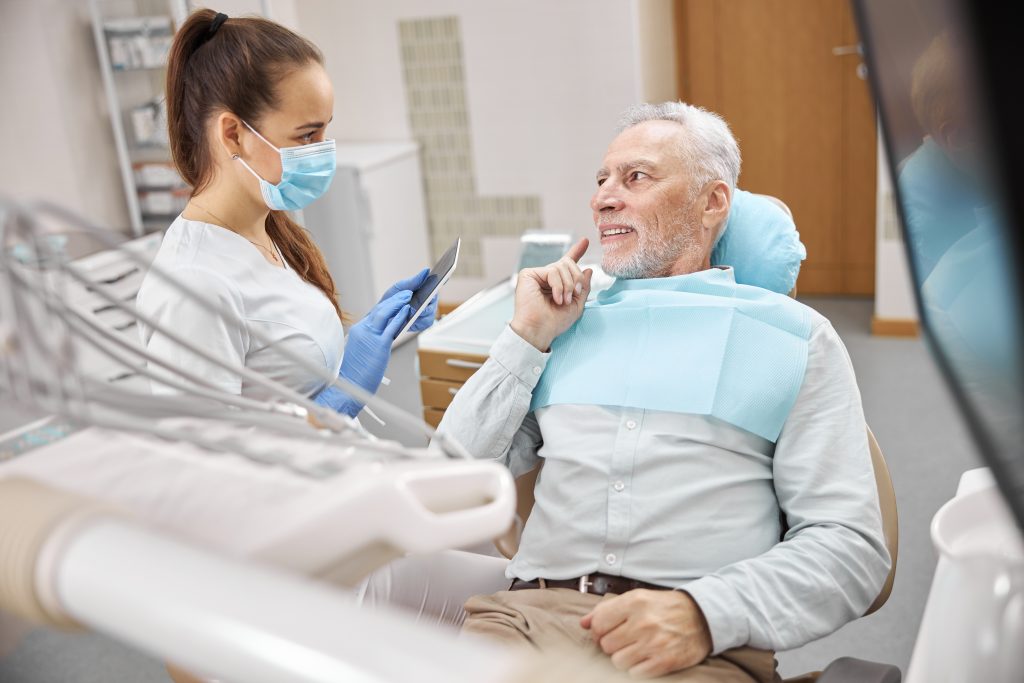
[(409, 506), (448, 509)]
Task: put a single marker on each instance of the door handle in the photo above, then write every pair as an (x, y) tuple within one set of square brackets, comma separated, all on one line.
[(843, 50), (856, 49)]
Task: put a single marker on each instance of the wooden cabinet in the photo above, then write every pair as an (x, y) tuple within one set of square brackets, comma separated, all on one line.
[(457, 346), (432, 416), (442, 373), (449, 365)]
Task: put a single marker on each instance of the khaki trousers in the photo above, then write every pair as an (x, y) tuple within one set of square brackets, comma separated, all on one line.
[(548, 619)]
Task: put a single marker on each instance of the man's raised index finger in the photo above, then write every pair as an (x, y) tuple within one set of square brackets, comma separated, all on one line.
[(577, 250)]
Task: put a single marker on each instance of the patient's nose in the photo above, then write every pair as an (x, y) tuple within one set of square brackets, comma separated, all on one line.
[(606, 199)]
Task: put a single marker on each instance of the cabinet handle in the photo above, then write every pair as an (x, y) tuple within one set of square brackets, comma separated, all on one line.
[(452, 391), (468, 364)]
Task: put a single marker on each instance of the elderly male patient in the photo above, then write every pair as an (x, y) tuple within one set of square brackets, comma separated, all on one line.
[(682, 420)]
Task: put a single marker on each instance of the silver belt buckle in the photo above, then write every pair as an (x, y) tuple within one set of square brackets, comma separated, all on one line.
[(585, 583)]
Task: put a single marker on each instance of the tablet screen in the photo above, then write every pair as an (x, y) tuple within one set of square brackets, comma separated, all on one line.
[(435, 278)]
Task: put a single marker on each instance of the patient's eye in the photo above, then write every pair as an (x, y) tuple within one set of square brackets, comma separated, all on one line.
[(600, 181), (636, 175)]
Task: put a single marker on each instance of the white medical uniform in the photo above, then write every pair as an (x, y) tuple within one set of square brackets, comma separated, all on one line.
[(271, 309)]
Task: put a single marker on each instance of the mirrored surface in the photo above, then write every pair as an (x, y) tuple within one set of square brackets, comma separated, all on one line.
[(957, 223)]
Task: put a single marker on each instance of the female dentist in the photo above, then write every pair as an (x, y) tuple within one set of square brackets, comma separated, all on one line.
[(248, 103)]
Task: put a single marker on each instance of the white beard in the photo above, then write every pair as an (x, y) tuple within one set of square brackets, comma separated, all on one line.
[(655, 252)]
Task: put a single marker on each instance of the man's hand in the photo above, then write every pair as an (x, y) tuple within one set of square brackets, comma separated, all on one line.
[(550, 299), (650, 633)]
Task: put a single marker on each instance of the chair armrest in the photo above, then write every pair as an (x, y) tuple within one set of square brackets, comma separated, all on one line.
[(852, 670)]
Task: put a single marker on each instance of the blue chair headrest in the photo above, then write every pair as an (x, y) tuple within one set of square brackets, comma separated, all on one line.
[(761, 244)]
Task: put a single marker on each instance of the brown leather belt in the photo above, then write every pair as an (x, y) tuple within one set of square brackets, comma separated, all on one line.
[(597, 584)]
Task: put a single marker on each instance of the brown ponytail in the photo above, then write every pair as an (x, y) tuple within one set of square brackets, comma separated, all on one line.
[(236, 68)]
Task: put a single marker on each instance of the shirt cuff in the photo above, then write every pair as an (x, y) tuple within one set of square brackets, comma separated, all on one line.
[(723, 610), (519, 357)]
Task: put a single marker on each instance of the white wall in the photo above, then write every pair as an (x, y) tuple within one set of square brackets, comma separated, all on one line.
[(281, 11), (894, 294), (55, 129), (545, 83), (55, 132), (657, 77)]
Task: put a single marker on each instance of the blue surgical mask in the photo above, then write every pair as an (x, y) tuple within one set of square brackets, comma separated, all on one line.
[(306, 173)]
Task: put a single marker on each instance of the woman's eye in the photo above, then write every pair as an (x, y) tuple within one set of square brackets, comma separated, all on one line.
[(307, 138)]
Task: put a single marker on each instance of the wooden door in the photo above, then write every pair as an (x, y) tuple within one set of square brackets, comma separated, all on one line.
[(803, 116)]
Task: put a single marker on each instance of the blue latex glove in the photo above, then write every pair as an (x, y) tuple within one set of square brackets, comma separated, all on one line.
[(368, 350), (429, 314)]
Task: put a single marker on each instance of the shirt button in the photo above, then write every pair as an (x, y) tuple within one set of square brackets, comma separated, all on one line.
[(536, 370), (609, 558), (631, 424), (618, 486)]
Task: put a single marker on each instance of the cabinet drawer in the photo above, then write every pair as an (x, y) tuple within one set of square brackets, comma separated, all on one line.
[(438, 393), (457, 367), (432, 416)]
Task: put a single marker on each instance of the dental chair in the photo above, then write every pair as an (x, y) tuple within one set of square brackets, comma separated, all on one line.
[(842, 670)]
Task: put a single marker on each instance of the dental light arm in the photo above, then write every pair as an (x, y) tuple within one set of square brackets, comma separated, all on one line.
[(70, 562)]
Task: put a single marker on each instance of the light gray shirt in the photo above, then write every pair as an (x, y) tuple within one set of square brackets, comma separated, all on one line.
[(692, 502)]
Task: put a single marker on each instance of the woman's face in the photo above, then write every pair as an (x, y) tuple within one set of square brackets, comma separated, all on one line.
[(306, 106)]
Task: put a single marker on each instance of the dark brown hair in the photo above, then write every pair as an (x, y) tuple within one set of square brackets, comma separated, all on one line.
[(237, 68)]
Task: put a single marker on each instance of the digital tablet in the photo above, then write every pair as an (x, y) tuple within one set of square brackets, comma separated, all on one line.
[(438, 275)]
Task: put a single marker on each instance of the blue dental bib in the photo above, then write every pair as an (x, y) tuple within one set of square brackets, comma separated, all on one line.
[(698, 343)]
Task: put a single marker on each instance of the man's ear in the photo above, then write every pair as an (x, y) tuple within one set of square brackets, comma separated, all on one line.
[(226, 131), (947, 136), (716, 206)]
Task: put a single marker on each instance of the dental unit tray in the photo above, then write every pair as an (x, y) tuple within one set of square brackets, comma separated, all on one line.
[(302, 504), (247, 477)]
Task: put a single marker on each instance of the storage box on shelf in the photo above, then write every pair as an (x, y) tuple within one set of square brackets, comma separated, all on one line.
[(149, 123), (138, 42)]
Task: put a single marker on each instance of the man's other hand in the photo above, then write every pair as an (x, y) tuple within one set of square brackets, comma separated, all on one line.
[(550, 299), (650, 633)]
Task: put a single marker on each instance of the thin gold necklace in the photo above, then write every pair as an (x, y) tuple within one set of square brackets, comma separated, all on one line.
[(272, 252)]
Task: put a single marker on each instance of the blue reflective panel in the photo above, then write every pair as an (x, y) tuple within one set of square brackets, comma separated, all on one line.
[(958, 230)]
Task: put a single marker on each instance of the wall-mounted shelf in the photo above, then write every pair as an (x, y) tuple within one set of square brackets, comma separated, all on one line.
[(132, 39)]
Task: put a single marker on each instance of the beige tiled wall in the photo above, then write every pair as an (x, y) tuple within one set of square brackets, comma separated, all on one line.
[(433, 72)]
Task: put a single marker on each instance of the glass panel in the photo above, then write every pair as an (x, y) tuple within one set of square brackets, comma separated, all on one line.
[(957, 224)]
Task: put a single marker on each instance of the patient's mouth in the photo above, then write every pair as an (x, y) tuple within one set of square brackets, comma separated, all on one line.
[(615, 233)]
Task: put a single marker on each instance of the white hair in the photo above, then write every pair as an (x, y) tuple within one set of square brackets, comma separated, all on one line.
[(710, 150)]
